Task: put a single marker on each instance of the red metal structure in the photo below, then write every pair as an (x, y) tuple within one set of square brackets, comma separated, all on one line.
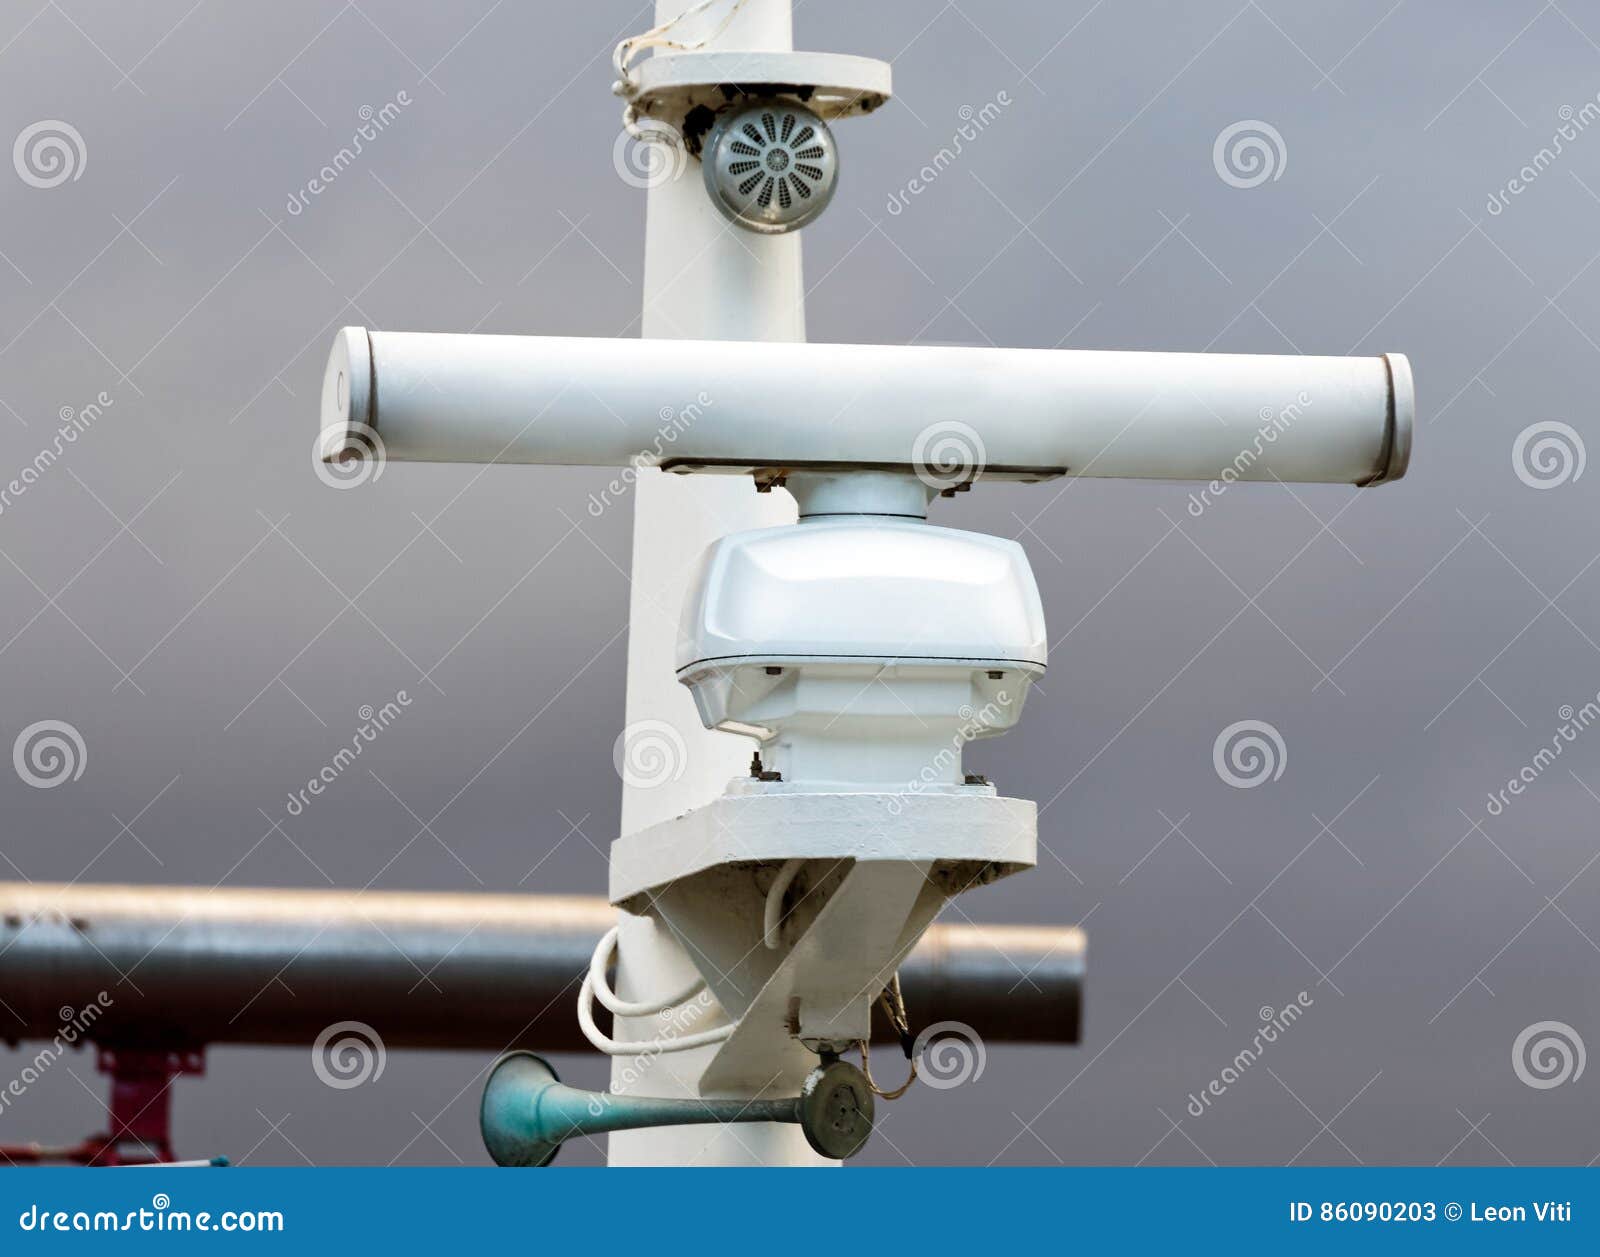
[(140, 1112)]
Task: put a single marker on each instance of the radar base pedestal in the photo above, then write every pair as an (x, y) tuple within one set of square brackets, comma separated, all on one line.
[(879, 867)]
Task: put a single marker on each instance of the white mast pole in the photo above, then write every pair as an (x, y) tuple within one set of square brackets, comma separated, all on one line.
[(704, 278), (709, 282)]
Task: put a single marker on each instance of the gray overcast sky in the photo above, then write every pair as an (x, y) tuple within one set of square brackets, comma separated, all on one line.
[(176, 586)]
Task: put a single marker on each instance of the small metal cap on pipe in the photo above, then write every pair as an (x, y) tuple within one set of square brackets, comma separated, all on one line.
[(347, 429), (1402, 418)]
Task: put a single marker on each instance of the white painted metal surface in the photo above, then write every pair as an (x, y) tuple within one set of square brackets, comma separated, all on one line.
[(874, 871), (769, 823), (1009, 413), (669, 86), (860, 493), (862, 652), (822, 991), (882, 590), (703, 278)]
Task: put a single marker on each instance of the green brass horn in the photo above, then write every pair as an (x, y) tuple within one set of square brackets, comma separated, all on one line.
[(527, 1111)]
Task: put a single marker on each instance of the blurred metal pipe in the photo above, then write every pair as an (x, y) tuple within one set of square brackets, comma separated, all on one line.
[(191, 966)]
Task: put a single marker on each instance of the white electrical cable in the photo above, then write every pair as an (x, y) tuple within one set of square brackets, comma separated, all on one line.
[(595, 986), (656, 37), (601, 960), (627, 87), (772, 917), (615, 1047)]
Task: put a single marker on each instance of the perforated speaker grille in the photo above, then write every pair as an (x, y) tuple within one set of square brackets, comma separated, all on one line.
[(770, 165)]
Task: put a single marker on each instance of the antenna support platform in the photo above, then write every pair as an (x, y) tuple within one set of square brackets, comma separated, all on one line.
[(685, 90)]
